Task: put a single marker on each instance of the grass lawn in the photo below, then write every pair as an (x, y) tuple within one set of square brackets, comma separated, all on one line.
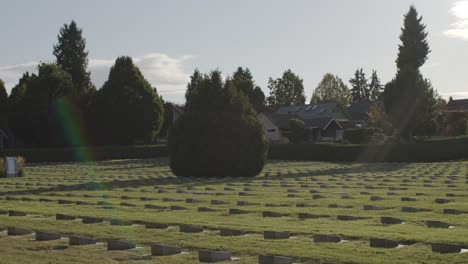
[(123, 189)]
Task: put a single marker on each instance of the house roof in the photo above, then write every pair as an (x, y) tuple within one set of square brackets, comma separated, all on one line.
[(359, 111), (322, 122), (457, 105), (282, 121), (309, 111)]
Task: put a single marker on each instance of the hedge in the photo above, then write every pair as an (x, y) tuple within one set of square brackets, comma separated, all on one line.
[(88, 153), (428, 151), (363, 135)]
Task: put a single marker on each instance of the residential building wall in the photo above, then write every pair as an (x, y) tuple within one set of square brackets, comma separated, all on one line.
[(272, 131)]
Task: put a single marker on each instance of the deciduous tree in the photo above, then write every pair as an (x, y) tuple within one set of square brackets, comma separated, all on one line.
[(287, 90), (331, 90)]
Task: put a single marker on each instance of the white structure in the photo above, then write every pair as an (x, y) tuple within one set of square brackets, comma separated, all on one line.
[(10, 167), (271, 130)]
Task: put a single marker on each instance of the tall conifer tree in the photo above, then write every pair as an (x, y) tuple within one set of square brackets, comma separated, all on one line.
[(409, 98)]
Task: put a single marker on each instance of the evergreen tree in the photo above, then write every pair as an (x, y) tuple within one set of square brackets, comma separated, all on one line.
[(332, 90), (195, 80), (18, 91), (168, 118), (287, 90), (3, 105), (35, 103), (409, 98), (243, 80), (375, 88), (360, 88), (218, 134), (71, 54), (16, 106), (128, 109)]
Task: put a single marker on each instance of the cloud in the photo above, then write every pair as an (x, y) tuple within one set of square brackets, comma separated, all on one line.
[(459, 29), (162, 71), (11, 74)]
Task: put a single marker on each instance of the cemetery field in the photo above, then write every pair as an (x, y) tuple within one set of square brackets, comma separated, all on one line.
[(310, 212)]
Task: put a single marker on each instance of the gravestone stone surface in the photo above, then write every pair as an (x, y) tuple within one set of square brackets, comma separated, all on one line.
[(272, 214), (445, 248), (442, 201), (437, 224), (213, 256), (266, 259), (218, 202), (176, 208), (91, 220), (46, 236), (16, 213), (18, 231), (390, 220), (326, 238), (64, 217), (156, 226), (119, 222), (348, 218), (206, 209), (157, 207), (275, 235), (165, 250), (453, 211), (80, 240), (120, 244), (310, 216), (383, 243), (65, 202), (237, 211), (190, 229), (414, 210), (230, 232)]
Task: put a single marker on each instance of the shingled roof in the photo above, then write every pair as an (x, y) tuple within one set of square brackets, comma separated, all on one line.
[(359, 111), (282, 121), (457, 105), (309, 111)]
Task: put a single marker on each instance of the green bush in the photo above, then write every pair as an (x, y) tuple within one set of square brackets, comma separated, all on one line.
[(219, 134), (364, 135), (299, 132)]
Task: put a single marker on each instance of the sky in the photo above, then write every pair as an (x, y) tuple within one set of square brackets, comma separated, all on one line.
[(169, 39)]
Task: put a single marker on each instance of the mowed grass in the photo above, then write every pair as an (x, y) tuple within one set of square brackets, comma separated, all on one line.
[(279, 188)]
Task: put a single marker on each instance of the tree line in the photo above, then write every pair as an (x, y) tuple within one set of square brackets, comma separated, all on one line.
[(59, 106), (127, 110)]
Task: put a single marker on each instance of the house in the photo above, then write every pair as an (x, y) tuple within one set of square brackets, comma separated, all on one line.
[(359, 113), (456, 106), (272, 131), (323, 120), (307, 112)]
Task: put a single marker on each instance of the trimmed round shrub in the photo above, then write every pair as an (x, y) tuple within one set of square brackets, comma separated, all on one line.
[(219, 133)]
